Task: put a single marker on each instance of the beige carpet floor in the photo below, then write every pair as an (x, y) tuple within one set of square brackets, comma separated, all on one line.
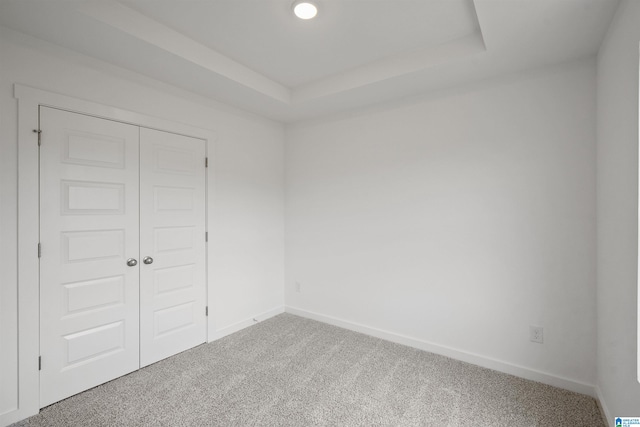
[(291, 371)]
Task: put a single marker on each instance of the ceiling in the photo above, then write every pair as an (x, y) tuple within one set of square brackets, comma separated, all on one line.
[(257, 56)]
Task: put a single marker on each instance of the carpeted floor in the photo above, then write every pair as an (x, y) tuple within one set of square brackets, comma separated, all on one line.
[(291, 371)]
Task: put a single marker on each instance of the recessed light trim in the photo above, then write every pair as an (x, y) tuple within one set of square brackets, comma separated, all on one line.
[(305, 9)]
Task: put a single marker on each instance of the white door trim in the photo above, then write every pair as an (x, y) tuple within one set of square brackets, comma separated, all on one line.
[(29, 99)]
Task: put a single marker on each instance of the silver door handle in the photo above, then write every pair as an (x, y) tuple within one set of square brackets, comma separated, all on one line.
[(132, 262), (147, 260)]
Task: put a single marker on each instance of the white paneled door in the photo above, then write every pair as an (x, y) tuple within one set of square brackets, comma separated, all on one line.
[(88, 229), (172, 244), (104, 209)]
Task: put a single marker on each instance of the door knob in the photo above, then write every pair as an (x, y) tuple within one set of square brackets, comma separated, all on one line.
[(147, 260), (132, 262)]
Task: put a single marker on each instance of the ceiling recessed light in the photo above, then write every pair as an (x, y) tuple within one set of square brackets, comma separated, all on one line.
[(305, 9)]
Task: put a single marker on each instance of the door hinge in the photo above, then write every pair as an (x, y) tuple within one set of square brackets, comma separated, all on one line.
[(206, 311), (206, 162), (39, 250), (39, 132), (39, 363), (206, 236)]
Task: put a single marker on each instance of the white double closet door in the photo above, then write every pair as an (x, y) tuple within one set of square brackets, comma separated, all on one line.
[(122, 267)]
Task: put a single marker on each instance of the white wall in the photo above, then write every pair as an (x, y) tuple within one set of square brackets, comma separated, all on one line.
[(458, 221), (618, 213), (247, 273)]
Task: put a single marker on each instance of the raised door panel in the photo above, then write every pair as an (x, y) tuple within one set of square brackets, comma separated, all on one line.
[(172, 233), (89, 297)]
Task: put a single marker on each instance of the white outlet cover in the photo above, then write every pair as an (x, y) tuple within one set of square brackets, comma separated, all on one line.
[(536, 334)]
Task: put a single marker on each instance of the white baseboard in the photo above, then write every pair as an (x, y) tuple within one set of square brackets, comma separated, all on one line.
[(228, 330), (475, 359), (602, 404), (14, 415)]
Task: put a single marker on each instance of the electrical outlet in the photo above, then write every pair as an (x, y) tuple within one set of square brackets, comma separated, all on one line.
[(298, 287), (536, 334)]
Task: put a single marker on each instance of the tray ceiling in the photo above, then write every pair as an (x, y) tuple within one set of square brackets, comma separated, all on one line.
[(255, 55)]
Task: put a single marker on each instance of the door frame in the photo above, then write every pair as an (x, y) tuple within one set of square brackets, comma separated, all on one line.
[(29, 100)]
